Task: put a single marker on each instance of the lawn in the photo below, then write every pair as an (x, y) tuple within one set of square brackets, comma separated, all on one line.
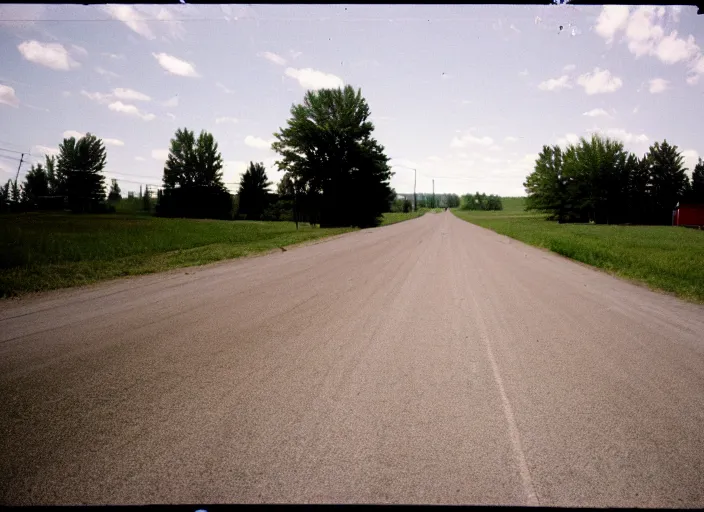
[(662, 257), (43, 251), (393, 218)]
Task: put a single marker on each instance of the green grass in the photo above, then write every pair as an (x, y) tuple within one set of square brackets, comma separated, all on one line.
[(662, 257), (43, 251)]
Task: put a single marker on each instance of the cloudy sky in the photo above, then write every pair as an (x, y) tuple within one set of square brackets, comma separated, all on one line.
[(466, 94)]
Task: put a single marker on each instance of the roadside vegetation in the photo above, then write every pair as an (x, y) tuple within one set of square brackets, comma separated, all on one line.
[(662, 257), (44, 251)]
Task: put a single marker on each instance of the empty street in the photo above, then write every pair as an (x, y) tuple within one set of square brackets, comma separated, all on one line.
[(430, 361)]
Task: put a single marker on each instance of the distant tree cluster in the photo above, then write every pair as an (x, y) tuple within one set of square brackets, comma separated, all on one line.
[(72, 179), (481, 202), (596, 180), (335, 173)]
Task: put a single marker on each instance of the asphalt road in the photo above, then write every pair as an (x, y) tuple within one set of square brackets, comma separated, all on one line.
[(430, 361)]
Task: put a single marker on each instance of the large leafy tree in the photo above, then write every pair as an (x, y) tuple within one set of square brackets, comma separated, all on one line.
[(36, 183), (340, 171), (547, 185), (697, 194), (79, 168), (254, 191), (115, 193), (192, 178), (668, 182)]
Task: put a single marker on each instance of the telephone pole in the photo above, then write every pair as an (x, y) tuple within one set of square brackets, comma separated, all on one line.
[(18, 167)]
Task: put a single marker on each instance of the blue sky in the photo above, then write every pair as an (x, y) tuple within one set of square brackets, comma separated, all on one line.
[(467, 94)]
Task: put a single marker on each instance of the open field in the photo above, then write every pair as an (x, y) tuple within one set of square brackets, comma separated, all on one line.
[(43, 251), (662, 257)]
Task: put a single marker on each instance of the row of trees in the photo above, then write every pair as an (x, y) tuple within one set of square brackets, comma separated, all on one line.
[(335, 172), (481, 202), (597, 180), (73, 178)]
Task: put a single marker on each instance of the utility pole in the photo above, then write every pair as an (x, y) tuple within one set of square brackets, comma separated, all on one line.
[(18, 167), (415, 204)]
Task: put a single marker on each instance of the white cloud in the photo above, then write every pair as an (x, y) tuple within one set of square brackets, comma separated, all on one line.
[(118, 106), (495, 147), (691, 157), (232, 170), (570, 138), (569, 67), (140, 158), (599, 81), (160, 154), (273, 57), (73, 133), (510, 139), (596, 112), (224, 88), (51, 55), (636, 109), (176, 28), (523, 73), (658, 85), (105, 72), (221, 120), (468, 138), (257, 142), (130, 17), (98, 97), (129, 95), (314, 79), (8, 97), (642, 31), (45, 150), (555, 84), (611, 20), (625, 136), (171, 116), (113, 142), (114, 56), (170, 103), (671, 49), (79, 49), (174, 65), (295, 54)]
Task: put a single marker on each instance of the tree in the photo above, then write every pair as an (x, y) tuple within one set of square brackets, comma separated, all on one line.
[(51, 176), (341, 172), (285, 187), (546, 186), (147, 199), (36, 184), (668, 180), (115, 192), (5, 196), (79, 166), (192, 178), (697, 192), (253, 191)]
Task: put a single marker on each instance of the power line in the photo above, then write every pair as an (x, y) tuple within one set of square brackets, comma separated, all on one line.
[(13, 151)]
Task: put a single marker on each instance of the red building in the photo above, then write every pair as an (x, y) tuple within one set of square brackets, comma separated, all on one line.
[(690, 215)]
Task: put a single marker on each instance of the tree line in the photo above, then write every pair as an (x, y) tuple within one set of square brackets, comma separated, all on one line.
[(335, 172), (597, 180), (481, 202)]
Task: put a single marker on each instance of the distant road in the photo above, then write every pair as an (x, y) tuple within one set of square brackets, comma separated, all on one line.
[(430, 361)]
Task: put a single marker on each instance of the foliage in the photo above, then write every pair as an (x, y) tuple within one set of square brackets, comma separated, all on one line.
[(115, 192), (254, 195), (43, 251), (78, 168), (192, 179), (596, 180), (662, 257), (697, 191), (329, 152), (36, 183), (480, 202)]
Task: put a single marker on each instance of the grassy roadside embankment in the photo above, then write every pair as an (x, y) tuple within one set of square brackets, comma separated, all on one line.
[(662, 257), (44, 251), (393, 218)]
